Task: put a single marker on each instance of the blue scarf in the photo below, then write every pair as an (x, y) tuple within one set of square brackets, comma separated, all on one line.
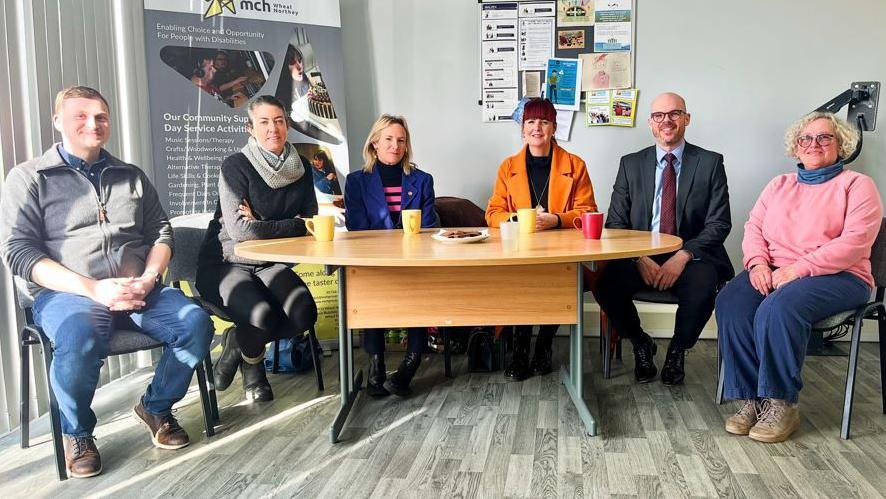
[(819, 175)]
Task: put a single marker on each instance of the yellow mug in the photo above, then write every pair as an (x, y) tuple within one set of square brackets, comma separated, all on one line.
[(411, 220), (526, 217), (322, 227)]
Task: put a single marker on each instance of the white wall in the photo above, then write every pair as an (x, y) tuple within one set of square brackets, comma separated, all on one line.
[(747, 69)]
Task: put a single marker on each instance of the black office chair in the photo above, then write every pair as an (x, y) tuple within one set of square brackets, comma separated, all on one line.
[(122, 342), (189, 232), (854, 318)]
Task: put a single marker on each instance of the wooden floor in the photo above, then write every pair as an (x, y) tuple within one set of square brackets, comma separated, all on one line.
[(480, 436)]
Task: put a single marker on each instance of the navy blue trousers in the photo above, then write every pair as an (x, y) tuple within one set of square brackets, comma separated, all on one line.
[(374, 340), (763, 339)]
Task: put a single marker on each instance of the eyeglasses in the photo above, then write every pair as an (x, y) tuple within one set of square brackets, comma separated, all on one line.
[(674, 115), (822, 139)]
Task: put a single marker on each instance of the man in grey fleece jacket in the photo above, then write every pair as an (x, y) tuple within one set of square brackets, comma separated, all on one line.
[(88, 234)]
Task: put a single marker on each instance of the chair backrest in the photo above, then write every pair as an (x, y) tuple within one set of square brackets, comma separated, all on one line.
[(188, 232), (458, 212), (878, 257)]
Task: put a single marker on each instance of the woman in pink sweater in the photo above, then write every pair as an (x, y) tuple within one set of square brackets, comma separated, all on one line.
[(807, 247)]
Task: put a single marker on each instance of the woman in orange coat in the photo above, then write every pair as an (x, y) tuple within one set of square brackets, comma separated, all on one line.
[(546, 177)]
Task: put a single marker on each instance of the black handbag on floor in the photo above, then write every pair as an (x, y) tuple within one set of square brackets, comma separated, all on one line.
[(483, 351)]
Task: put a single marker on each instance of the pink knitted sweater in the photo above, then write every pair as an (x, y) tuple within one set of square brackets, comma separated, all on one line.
[(818, 229)]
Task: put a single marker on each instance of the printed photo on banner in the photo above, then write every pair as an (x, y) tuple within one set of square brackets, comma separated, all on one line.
[(607, 70), (563, 83), (231, 76), (301, 88), (575, 13), (571, 39)]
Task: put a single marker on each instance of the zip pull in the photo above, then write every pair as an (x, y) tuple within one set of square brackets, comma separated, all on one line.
[(102, 213)]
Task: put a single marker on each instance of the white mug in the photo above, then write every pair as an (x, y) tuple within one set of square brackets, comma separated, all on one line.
[(509, 230)]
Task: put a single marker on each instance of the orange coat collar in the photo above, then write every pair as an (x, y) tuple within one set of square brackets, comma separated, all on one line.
[(560, 181)]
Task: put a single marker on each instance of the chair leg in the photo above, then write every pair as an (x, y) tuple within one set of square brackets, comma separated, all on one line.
[(618, 347), (205, 402), (275, 368), (721, 381), (850, 379), (25, 393), (447, 353), (607, 346), (881, 322), (315, 355), (54, 416), (210, 385)]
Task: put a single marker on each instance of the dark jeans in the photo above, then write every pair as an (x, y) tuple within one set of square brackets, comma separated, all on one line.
[(763, 339), (266, 302), (696, 289), (81, 330), (374, 340)]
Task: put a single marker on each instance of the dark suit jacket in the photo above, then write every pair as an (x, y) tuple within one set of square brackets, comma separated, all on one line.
[(703, 217), (367, 209)]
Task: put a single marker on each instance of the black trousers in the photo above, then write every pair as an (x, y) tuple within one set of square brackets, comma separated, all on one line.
[(374, 340), (266, 302), (696, 289), (546, 332)]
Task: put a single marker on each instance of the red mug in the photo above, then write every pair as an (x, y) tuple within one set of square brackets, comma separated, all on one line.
[(590, 224)]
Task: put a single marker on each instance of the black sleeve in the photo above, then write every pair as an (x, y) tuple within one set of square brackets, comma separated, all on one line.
[(619, 216), (718, 220)]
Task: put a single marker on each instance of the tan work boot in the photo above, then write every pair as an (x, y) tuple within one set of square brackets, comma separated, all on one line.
[(742, 421), (81, 457), (778, 419)]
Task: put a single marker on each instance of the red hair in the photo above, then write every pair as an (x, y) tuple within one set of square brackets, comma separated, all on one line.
[(539, 109)]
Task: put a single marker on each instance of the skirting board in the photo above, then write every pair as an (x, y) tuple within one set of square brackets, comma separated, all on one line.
[(658, 321)]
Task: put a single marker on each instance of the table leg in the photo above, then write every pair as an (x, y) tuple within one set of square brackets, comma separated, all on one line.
[(350, 385), (572, 377)]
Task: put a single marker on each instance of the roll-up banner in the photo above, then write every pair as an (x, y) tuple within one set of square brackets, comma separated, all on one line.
[(206, 60)]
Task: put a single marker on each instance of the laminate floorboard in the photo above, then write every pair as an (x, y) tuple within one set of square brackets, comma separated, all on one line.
[(478, 435)]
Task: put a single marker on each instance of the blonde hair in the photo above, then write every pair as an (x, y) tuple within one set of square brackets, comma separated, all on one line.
[(369, 154), (78, 91), (846, 135)]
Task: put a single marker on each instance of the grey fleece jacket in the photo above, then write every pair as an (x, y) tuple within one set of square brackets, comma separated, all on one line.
[(50, 210)]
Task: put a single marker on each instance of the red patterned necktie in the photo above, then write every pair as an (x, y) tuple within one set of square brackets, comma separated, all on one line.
[(668, 220)]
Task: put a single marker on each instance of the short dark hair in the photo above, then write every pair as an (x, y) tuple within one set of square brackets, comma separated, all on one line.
[(292, 53), (536, 109), (78, 91), (261, 100), (321, 155)]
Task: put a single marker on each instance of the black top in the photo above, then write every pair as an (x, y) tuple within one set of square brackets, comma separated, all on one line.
[(539, 173), (391, 177), (275, 210)]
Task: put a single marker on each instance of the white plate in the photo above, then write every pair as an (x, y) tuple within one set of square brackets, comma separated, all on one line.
[(484, 233)]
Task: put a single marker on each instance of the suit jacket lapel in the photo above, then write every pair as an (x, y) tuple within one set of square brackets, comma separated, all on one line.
[(561, 181), (410, 192), (647, 177), (684, 183), (376, 203), (518, 183)]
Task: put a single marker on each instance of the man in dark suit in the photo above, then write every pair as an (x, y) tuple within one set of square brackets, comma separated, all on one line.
[(676, 188)]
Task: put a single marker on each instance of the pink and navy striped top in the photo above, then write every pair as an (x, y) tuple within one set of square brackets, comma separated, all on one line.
[(392, 183)]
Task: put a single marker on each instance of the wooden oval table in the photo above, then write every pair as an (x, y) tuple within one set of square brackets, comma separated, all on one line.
[(389, 279)]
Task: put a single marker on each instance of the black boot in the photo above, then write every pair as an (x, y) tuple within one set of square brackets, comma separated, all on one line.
[(255, 382), (226, 366), (518, 369), (672, 372), (398, 383), (644, 356), (376, 379), (541, 357)]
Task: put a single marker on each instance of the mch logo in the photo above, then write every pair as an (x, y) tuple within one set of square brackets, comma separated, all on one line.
[(217, 7)]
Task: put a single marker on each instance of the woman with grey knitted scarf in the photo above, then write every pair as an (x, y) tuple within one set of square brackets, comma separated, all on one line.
[(264, 192)]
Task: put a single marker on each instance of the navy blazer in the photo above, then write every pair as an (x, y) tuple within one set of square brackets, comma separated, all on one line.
[(366, 208)]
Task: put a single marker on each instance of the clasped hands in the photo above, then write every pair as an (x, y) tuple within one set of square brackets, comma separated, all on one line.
[(662, 277), (123, 294), (765, 280)]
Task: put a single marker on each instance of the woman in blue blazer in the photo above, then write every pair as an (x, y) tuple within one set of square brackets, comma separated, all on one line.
[(374, 198)]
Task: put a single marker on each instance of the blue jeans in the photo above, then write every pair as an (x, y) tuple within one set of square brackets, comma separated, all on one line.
[(763, 339), (81, 329)]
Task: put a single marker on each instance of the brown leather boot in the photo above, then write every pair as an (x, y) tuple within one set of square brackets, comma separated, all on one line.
[(81, 457), (165, 430)]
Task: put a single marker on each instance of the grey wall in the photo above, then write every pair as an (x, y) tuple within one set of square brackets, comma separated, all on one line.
[(747, 69)]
